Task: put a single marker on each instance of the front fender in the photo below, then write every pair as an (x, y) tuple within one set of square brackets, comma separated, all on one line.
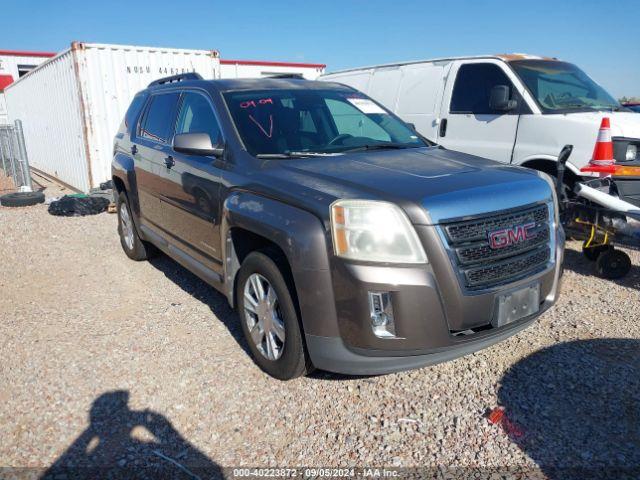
[(302, 238)]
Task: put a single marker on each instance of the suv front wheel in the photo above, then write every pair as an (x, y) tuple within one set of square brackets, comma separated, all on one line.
[(269, 318)]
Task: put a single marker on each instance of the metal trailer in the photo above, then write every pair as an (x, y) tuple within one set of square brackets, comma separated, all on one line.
[(71, 105), (601, 225), (265, 69)]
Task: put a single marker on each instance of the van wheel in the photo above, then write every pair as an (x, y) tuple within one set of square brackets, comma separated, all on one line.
[(269, 318), (135, 248)]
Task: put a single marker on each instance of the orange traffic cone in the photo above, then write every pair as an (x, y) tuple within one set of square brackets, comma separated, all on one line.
[(602, 160)]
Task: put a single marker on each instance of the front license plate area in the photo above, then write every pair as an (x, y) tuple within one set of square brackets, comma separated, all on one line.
[(518, 304)]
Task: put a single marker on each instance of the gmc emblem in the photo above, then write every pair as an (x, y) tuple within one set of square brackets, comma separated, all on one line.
[(509, 236)]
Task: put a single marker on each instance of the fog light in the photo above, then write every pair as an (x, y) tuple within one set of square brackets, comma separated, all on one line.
[(381, 314)]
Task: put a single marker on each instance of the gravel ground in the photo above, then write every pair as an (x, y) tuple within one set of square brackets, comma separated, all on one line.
[(6, 183), (109, 362)]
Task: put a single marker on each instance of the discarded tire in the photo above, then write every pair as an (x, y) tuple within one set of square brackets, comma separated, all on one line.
[(592, 253), (21, 199), (69, 206), (613, 264)]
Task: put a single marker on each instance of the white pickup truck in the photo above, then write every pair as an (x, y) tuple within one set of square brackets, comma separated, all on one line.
[(515, 108)]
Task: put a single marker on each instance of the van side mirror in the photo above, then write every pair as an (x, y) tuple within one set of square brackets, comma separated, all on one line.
[(499, 99), (196, 144)]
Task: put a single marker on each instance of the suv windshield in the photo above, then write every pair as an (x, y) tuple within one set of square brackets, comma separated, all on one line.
[(307, 122), (560, 86)]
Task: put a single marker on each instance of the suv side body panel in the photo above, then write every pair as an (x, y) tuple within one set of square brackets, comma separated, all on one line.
[(303, 239)]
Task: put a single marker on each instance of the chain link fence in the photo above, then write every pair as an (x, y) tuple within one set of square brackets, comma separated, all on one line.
[(13, 156)]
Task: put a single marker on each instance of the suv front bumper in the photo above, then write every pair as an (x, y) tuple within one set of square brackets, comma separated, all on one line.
[(422, 317)]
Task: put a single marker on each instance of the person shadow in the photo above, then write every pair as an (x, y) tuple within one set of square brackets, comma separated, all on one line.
[(574, 408), (125, 443)]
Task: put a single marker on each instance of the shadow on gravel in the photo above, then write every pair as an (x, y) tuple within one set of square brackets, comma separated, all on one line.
[(200, 290), (124, 443), (574, 408), (576, 262)]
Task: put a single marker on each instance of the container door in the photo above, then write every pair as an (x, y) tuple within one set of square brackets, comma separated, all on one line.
[(468, 123), (151, 150), (191, 204)]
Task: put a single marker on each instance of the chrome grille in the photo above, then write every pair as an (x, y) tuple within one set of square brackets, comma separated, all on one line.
[(481, 266)]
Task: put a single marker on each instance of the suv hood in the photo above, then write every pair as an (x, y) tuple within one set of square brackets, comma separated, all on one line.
[(430, 184)]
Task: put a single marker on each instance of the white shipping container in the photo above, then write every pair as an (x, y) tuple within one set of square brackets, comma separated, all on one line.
[(13, 65), (71, 105), (263, 69)]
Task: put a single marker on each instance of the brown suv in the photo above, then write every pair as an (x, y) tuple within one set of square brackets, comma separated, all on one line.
[(345, 240)]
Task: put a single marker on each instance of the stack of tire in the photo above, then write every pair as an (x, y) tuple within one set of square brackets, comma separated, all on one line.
[(21, 199)]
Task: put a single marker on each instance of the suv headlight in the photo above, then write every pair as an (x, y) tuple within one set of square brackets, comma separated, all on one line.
[(374, 231)]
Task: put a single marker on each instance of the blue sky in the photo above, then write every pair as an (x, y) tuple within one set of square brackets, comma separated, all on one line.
[(601, 37)]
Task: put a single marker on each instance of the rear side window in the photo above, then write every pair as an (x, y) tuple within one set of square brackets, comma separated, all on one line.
[(132, 112), (196, 116), (159, 118), (473, 86)]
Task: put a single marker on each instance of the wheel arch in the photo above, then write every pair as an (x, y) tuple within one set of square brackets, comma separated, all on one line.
[(550, 166), (252, 222), (124, 180)]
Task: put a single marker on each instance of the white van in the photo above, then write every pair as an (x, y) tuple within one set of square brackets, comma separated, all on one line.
[(515, 108)]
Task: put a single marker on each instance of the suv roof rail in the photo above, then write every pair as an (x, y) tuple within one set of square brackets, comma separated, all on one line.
[(287, 75), (177, 78)]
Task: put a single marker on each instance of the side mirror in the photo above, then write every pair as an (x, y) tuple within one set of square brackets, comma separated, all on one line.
[(196, 144), (499, 99)]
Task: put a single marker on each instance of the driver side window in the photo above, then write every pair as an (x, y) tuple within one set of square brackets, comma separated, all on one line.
[(196, 116), (350, 121), (472, 89)]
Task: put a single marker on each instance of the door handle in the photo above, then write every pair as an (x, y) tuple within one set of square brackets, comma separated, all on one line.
[(443, 128), (169, 161), (134, 150)]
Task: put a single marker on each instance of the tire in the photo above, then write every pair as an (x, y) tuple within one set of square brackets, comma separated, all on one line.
[(283, 359), (592, 253), (613, 264), (135, 248), (21, 199)]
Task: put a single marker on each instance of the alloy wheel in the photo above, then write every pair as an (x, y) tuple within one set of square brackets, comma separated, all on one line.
[(263, 317)]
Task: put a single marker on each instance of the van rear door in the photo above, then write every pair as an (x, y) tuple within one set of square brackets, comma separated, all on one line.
[(412, 91), (420, 95), (468, 123)]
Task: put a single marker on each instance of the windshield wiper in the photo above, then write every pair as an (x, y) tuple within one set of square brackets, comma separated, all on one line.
[(573, 105), (281, 155), (380, 146), (314, 154), (302, 154)]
